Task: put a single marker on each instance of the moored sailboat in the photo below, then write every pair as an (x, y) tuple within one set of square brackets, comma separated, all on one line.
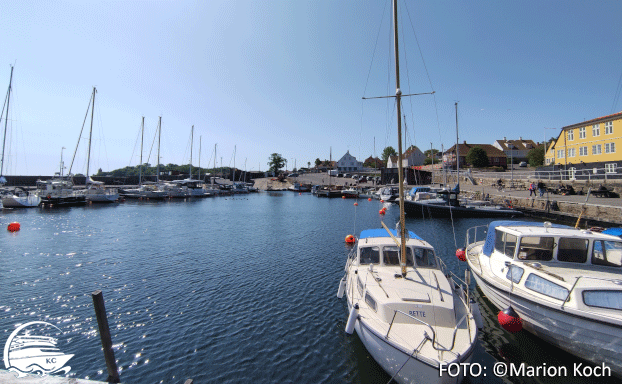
[(412, 318)]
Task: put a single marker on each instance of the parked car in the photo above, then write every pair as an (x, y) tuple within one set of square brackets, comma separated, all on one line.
[(347, 175), (292, 175), (355, 176), (522, 164), (363, 179)]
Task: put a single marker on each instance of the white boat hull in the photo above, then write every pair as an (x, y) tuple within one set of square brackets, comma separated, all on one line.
[(391, 358), (21, 201), (572, 333)]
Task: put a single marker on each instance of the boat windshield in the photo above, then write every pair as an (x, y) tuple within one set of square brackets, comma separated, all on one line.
[(607, 253), (369, 255), (536, 248)]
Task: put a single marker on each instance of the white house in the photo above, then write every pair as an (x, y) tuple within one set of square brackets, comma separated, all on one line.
[(349, 163), (515, 149), (412, 157)]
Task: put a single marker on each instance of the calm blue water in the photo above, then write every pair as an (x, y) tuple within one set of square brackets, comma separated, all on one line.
[(221, 290)]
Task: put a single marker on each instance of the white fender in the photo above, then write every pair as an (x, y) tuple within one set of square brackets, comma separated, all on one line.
[(354, 313), (342, 287)]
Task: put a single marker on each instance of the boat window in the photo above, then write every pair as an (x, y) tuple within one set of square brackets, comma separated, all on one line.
[(517, 273), (505, 243), (391, 256), (603, 299), (359, 285), (369, 255), (607, 253), (572, 250), (536, 248), (371, 302), (425, 257), (545, 287)]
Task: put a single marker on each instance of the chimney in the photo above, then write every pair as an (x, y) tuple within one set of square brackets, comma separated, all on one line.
[(505, 138), (464, 142), (521, 138)]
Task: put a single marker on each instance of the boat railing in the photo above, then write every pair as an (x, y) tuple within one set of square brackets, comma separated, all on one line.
[(476, 234), (433, 338), (615, 281)]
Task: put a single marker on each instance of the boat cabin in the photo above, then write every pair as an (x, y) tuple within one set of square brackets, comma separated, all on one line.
[(377, 248)]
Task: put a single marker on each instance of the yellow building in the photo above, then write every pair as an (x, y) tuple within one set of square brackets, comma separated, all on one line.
[(592, 144)]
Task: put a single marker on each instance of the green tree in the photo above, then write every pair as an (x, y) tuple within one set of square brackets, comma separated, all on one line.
[(276, 163), (318, 162), (388, 151), (431, 152), (536, 156), (427, 161), (477, 157)]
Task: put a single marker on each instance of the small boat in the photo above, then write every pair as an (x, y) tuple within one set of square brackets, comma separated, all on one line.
[(350, 193), (96, 192), (564, 284), (58, 191), (389, 194), (412, 323), (328, 192), (239, 188), (20, 198), (447, 204), (297, 187)]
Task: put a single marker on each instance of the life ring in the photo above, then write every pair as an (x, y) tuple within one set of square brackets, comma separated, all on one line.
[(48, 197)]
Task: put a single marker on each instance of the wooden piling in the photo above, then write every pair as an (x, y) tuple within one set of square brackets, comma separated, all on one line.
[(104, 332)]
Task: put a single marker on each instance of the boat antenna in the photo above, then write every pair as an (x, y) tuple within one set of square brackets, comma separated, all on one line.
[(6, 119)]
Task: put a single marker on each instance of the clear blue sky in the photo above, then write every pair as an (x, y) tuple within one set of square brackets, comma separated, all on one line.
[(288, 76)]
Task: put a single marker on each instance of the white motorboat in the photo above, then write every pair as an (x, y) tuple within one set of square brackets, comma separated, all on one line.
[(413, 318), (564, 283), (19, 198), (412, 325), (96, 192), (59, 191)]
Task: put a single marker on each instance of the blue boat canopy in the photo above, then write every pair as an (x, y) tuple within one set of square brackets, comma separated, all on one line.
[(489, 245), (613, 231), (381, 232), (414, 190)]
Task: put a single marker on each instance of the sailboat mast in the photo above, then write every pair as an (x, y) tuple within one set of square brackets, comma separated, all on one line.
[(6, 119), (457, 152), (159, 137), (200, 137), (88, 158), (191, 143), (142, 134), (400, 171)]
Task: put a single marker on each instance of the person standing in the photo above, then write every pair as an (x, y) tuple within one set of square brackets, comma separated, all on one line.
[(541, 188), (532, 189)]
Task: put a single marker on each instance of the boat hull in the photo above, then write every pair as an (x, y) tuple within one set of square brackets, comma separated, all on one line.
[(66, 201), (598, 344), (417, 209), (30, 201), (391, 358)]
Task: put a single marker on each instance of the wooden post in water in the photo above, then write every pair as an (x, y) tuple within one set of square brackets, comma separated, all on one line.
[(104, 332)]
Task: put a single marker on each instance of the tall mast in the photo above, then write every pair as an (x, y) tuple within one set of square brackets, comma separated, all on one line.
[(159, 136), (200, 137), (88, 161), (400, 171), (457, 152), (142, 134), (6, 119), (191, 142), (214, 175)]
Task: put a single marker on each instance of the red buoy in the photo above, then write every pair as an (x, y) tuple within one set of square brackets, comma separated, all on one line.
[(382, 201), (461, 254), (343, 197), (350, 239), (510, 320), (382, 211), (13, 227), (356, 204), (369, 199)]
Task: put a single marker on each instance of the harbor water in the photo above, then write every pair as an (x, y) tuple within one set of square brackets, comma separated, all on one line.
[(238, 289)]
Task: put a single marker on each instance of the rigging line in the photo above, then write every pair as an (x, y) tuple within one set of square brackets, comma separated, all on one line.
[(81, 130), (134, 149), (155, 135), (617, 95), (375, 46)]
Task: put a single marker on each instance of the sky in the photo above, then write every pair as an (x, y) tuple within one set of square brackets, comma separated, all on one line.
[(288, 77)]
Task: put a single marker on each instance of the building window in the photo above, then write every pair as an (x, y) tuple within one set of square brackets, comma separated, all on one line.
[(582, 151), (609, 128), (572, 152), (597, 149), (570, 135), (610, 167), (582, 133), (610, 147), (596, 130), (560, 153)]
